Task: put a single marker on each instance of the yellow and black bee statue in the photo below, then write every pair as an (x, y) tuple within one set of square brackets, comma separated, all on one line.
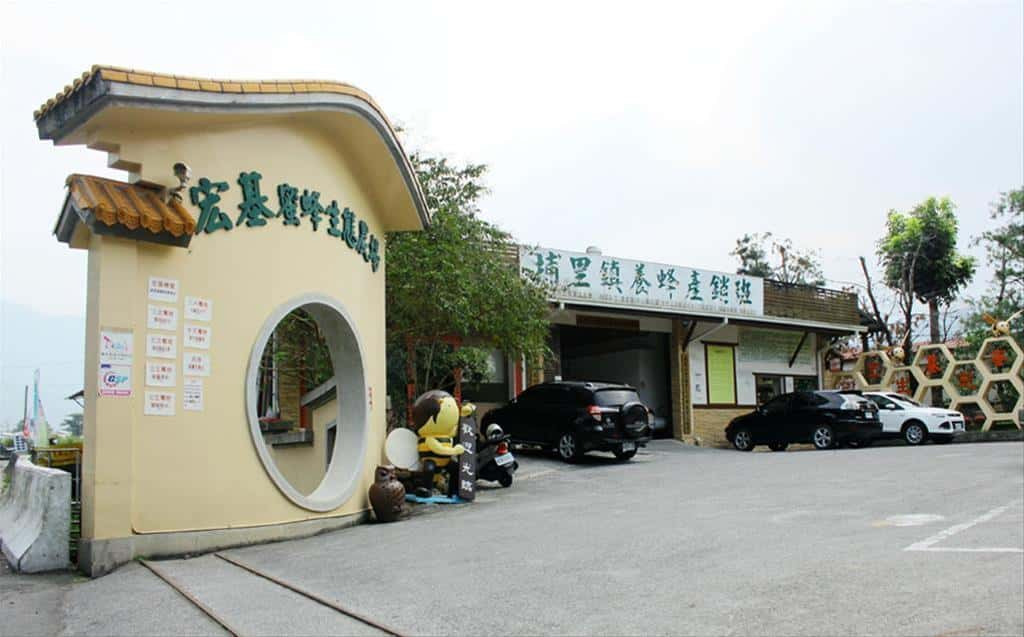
[(435, 416)]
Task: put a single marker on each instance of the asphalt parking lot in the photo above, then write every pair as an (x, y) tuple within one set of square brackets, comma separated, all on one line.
[(681, 540)]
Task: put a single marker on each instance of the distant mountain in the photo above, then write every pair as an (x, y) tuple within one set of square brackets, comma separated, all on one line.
[(53, 344)]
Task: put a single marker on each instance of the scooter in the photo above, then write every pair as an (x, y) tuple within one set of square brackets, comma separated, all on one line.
[(494, 459)]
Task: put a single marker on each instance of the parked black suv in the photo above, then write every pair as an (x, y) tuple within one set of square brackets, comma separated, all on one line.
[(823, 418), (575, 417)]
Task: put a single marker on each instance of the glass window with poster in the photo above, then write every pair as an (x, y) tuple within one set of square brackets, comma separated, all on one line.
[(720, 367)]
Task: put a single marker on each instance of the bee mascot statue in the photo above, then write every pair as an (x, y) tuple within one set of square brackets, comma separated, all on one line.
[(435, 415)]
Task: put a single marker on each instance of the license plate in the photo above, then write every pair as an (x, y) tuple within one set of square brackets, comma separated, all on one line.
[(504, 459), (628, 446), (870, 415)]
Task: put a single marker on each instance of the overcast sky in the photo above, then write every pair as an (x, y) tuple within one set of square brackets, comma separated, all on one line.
[(657, 132)]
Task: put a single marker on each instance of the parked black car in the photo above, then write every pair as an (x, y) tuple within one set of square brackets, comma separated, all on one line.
[(823, 418), (576, 417)]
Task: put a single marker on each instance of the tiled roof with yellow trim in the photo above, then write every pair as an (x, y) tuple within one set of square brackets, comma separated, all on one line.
[(62, 118), (147, 78), (116, 203)]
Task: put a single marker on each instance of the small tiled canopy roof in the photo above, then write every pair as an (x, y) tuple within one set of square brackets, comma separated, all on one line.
[(107, 206)]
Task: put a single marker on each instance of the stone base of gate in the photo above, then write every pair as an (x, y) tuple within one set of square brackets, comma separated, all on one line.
[(99, 557)]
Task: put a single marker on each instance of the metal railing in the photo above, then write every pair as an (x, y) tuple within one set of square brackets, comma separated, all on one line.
[(810, 302)]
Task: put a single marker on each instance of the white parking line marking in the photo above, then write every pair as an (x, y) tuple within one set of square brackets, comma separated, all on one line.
[(942, 549), (926, 544), (912, 519)]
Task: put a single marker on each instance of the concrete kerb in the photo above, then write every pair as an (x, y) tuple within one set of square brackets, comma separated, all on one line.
[(35, 518), (990, 436)]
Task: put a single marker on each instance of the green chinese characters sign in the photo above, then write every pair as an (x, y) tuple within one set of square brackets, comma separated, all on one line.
[(603, 280), (295, 207)]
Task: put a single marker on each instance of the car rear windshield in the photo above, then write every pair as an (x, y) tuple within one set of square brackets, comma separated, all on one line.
[(615, 397)]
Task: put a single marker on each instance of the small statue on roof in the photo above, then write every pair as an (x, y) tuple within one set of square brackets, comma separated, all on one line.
[(184, 175)]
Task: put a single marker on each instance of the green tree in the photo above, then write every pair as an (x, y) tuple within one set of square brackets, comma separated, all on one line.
[(297, 352), (1004, 249), (921, 262), (756, 251), (72, 424), (458, 278)]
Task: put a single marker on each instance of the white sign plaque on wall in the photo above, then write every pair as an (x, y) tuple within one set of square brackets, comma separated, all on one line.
[(116, 347), (162, 317), (197, 309), (159, 403), (161, 345), (196, 364), (197, 336), (161, 289), (192, 394), (602, 280), (774, 346), (160, 374), (115, 381)]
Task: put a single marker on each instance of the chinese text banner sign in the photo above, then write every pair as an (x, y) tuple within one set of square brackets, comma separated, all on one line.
[(581, 278)]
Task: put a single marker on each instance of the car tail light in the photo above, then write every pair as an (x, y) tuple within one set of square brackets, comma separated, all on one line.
[(502, 448), (595, 412)]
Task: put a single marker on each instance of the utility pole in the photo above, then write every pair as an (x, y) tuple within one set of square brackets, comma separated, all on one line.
[(24, 415)]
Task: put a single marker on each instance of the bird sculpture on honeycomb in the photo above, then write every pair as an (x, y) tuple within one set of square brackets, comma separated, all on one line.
[(897, 354), (387, 495), (1001, 328)]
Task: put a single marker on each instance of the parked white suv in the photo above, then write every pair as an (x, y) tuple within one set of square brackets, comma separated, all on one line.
[(903, 417)]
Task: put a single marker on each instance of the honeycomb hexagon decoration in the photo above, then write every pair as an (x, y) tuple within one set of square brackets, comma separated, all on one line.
[(999, 356), (966, 379), (931, 365), (976, 418), (902, 381), (1001, 396), (988, 389), (932, 361), (873, 370), (926, 395), (1001, 362)]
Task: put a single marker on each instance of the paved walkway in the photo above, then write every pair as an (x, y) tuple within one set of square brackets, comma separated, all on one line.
[(32, 604), (681, 540)]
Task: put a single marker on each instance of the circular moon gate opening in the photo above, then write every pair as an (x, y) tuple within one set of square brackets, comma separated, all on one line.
[(315, 459)]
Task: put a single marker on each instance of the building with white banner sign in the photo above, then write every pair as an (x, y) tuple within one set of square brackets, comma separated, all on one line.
[(700, 346)]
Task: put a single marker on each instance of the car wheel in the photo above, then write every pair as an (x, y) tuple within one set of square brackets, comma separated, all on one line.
[(778, 446), (623, 455), (743, 440), (914, 433), (505, 480), (823, 437), (569, 447)]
